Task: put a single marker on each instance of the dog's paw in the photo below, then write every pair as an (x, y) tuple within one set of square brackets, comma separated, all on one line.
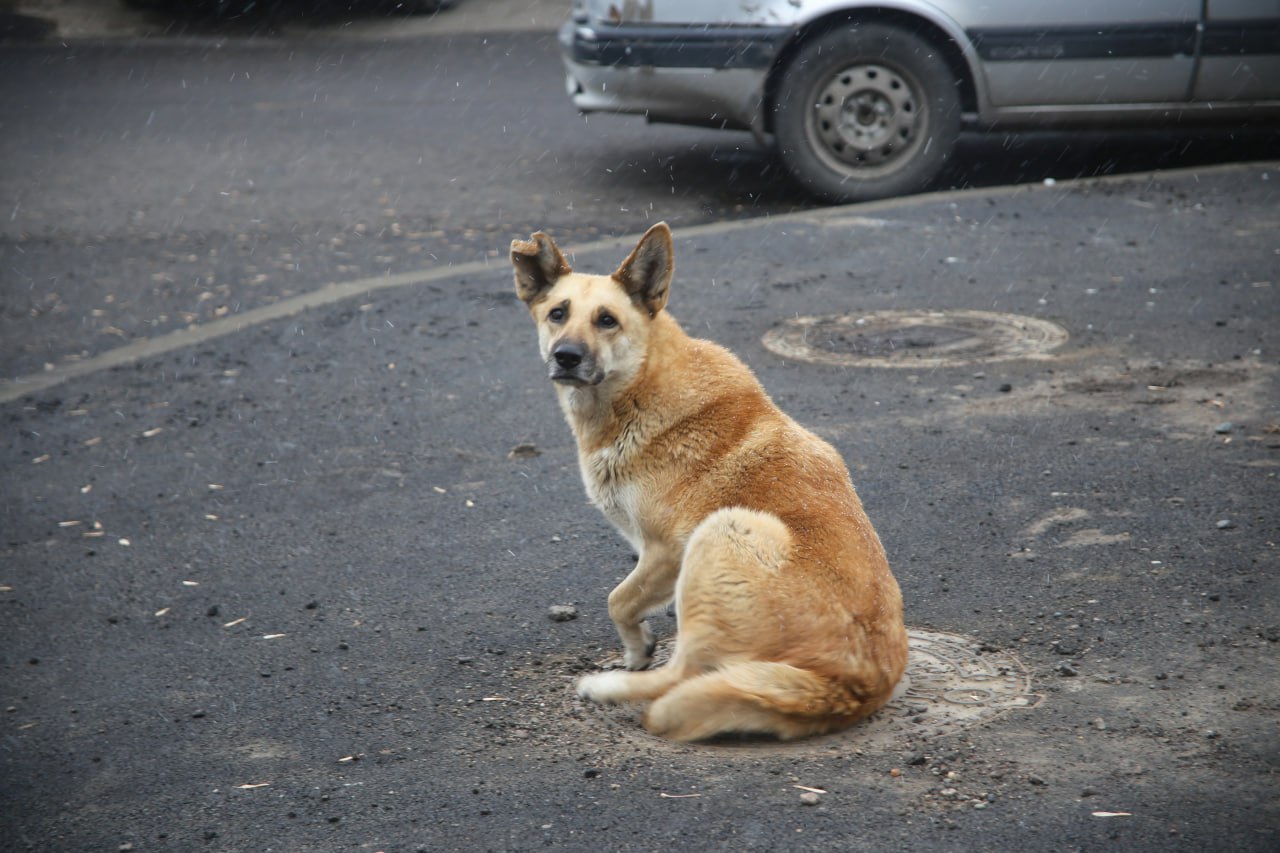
[(603, 687), (638, 660)]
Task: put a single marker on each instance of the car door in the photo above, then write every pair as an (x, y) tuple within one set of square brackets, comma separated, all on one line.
[(1240, 51), (1085, 54)]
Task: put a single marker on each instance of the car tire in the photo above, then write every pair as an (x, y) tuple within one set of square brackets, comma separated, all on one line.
[(866, 111)]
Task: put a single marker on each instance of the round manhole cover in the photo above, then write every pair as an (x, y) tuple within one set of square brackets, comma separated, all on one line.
[(951, 683), (918, 339)]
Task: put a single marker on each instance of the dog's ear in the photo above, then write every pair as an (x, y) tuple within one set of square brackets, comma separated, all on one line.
[(538, 265), (646, 273)]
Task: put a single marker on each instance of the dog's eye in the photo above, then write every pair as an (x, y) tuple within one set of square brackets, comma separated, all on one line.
[(607, 321), (556, 315)]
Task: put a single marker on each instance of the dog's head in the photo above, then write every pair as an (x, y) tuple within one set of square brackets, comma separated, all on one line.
[(593, 328)]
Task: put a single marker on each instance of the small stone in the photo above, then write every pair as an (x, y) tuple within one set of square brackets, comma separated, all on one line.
[(1224, 428), (1066, 670), (1036, 780), (212, 611), (1226, 524), (524, 451), (562, 613), (809, 798), (1006, 388), (1067, 646)]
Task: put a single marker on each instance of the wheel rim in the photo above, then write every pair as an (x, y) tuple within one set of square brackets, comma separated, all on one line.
[(866, 119)]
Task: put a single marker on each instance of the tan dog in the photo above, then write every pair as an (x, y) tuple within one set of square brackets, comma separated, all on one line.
[(790, 622)]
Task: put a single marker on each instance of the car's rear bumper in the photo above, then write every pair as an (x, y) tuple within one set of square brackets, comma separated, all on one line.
[(689, 75)]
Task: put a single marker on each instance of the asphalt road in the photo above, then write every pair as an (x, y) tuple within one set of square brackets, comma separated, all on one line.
[(150, 185), (285, 586)]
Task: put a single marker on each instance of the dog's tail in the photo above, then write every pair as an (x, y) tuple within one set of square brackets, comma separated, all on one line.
[(757, 697)]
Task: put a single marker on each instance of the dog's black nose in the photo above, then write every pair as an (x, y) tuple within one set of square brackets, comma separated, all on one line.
[(568, 355)]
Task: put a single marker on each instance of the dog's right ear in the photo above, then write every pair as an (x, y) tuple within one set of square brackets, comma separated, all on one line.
[(538, 265)]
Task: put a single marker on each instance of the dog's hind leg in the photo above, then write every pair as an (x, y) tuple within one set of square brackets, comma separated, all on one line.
[(752, 697), (734, 642)]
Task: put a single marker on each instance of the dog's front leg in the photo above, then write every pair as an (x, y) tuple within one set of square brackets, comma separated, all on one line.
[(650, 585)]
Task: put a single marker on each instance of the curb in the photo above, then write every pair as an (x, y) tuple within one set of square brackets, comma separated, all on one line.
[(21, 386)]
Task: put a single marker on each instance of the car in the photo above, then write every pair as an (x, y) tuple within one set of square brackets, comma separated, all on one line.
[(865, 100)]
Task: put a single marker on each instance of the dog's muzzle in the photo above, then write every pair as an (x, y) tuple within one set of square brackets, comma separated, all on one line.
[(571, 363)]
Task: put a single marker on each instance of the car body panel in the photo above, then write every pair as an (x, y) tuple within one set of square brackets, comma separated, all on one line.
[(1241, 55)]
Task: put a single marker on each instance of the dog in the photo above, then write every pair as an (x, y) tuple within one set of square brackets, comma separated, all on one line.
[(789, 621)]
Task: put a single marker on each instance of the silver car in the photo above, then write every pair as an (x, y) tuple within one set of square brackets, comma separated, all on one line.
[(865, 100)]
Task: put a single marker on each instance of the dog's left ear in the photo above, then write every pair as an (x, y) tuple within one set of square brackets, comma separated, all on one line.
[(646, 273), (539, 265)]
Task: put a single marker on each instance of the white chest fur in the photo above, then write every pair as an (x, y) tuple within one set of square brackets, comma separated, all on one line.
[(617, 497)]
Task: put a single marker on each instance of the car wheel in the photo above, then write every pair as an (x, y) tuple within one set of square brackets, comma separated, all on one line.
[(866, 111)]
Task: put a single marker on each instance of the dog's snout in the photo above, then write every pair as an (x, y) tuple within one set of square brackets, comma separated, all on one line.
[(568, 355), (572, 362)]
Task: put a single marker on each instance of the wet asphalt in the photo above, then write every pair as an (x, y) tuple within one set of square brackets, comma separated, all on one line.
[(287, 587)]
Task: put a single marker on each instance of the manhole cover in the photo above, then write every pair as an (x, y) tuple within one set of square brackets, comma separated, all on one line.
[(919, 339), (950, 684)]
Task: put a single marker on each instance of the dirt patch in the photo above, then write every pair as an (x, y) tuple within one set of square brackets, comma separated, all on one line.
[(1191, 400), (1158, 379), (952, 683)]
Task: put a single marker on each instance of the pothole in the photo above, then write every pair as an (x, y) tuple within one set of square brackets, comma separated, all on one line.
[(951, 683), (917, 339)]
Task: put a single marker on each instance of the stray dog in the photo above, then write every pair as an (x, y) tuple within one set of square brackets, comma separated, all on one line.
[(789, 620)]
